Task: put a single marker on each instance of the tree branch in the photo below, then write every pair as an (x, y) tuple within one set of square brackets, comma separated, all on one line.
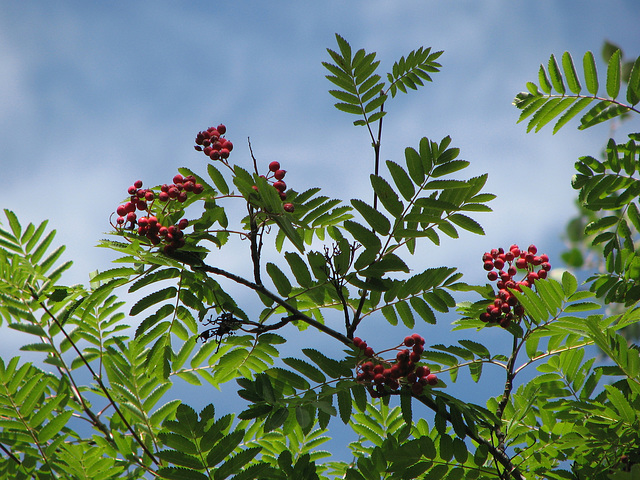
[(197, 264)]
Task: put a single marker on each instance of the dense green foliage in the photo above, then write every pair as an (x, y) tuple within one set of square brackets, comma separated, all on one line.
[(576, 418)]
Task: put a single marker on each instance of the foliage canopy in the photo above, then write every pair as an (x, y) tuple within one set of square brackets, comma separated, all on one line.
[(576, 417)]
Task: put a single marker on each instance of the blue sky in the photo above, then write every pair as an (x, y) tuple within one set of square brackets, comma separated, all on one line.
[(94, 95)]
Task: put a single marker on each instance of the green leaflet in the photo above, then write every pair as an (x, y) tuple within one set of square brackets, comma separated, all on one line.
[(556, 76), (590, 72), (152, 299), (387, 196), (467, 223), (366, 237), (279, 279), (299, 269), (306, 369), (373, 217), (613, 75), (570, 73), (402, 180), (331, 367), (633, 86), (545, 85)]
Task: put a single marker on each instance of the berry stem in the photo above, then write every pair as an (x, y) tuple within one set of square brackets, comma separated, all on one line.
[(508, 387)]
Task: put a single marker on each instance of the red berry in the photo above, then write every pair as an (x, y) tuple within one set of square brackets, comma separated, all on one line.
[(417, 348), (122, 210), (137, 184), (432, 379), (488, 265), (224, 153), (178, 179), (279, 174), (402, 356), (357, 341), (369, 352), (417, 389), (274, 166), (414, 356), (132, 190), (163, 196), (418, 338), (379, 378), (532, 249), (183, 223), (545, 266), (198, 188), (542, 274), (521, 263), (409, 341), (222, 129), (131, 217), (498, 263), (280, 186), (182, 196), (288, 207)]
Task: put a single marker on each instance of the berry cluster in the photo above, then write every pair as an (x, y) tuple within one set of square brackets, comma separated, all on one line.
[(383, 376), (212, 144), (148, 225), (506, 306), (180, 188), (276, 174)]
